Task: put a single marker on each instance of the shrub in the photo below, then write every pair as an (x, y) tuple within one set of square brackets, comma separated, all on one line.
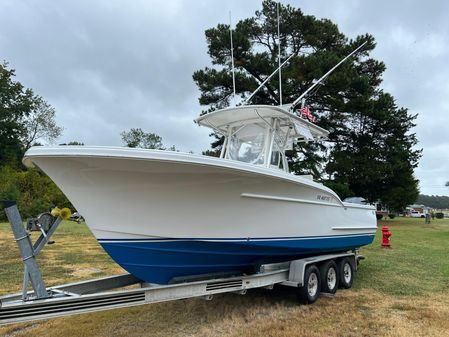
[(33, 191), (439, 215), (392, 216), (379, 216)]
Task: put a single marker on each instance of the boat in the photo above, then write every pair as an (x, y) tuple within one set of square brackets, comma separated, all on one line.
[(167, 216)]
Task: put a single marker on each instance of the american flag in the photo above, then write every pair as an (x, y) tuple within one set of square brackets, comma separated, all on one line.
[(305, 112)]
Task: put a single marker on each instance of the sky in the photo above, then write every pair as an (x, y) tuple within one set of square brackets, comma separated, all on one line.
[(108, 66)]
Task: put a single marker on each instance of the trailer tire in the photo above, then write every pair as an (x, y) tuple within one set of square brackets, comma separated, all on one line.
[(329, 277), (310, 291), (346, 271)]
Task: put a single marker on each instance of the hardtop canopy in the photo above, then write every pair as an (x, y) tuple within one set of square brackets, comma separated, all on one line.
[(220, 120)]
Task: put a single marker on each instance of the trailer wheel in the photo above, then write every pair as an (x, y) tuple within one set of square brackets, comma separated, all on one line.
[(346, 271), (310, 291), (329, 277)]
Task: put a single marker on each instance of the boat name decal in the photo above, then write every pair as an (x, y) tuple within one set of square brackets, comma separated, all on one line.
[(323, 197)]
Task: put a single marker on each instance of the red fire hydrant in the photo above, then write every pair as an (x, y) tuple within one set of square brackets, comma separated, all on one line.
[(386, 237)]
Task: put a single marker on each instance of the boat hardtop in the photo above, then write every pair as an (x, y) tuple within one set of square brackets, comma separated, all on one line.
[(221, 120), (260, 134)]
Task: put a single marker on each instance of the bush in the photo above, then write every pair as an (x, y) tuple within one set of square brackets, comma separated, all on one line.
[(379, 216), (439, 215), (392, 216), (33, 191)]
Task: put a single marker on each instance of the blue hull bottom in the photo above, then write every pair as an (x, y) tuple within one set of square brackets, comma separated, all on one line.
[(160, 261)]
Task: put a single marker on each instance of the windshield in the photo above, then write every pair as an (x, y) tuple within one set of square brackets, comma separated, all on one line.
[(247, 144)]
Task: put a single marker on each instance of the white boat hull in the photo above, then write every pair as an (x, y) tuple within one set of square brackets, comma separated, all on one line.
[(162, 215)]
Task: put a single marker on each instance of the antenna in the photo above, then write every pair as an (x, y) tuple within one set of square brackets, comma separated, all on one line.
[(268, 78), (324, 76), (232, 58), (279, 59)]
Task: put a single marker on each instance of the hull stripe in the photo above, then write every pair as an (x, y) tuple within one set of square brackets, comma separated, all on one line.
[(232, 239)]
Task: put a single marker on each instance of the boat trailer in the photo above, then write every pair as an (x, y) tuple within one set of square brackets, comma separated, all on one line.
[(108, 293)]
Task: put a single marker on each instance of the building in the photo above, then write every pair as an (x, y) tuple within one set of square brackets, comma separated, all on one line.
[(418, 211)]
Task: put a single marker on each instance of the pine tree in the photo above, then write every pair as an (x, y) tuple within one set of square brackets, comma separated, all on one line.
[(370, 151)]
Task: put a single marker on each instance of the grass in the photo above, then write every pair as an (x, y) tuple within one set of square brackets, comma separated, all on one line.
[(402, 291), (75, 255), (417, 263)]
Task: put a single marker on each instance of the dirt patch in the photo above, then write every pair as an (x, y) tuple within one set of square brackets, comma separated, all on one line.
[(83, 272)]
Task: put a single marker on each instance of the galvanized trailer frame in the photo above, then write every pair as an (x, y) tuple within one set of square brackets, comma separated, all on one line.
[(108, 293)]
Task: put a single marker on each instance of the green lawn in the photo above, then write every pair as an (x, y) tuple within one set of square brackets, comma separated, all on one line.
[(417, 263), (74, 256)]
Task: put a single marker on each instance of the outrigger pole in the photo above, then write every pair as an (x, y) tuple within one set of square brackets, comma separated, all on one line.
[(324, 76), (267, 79), (279, 59), (232, 58)]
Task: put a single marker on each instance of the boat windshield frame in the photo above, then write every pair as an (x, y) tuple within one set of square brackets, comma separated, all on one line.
[(258, 142)]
